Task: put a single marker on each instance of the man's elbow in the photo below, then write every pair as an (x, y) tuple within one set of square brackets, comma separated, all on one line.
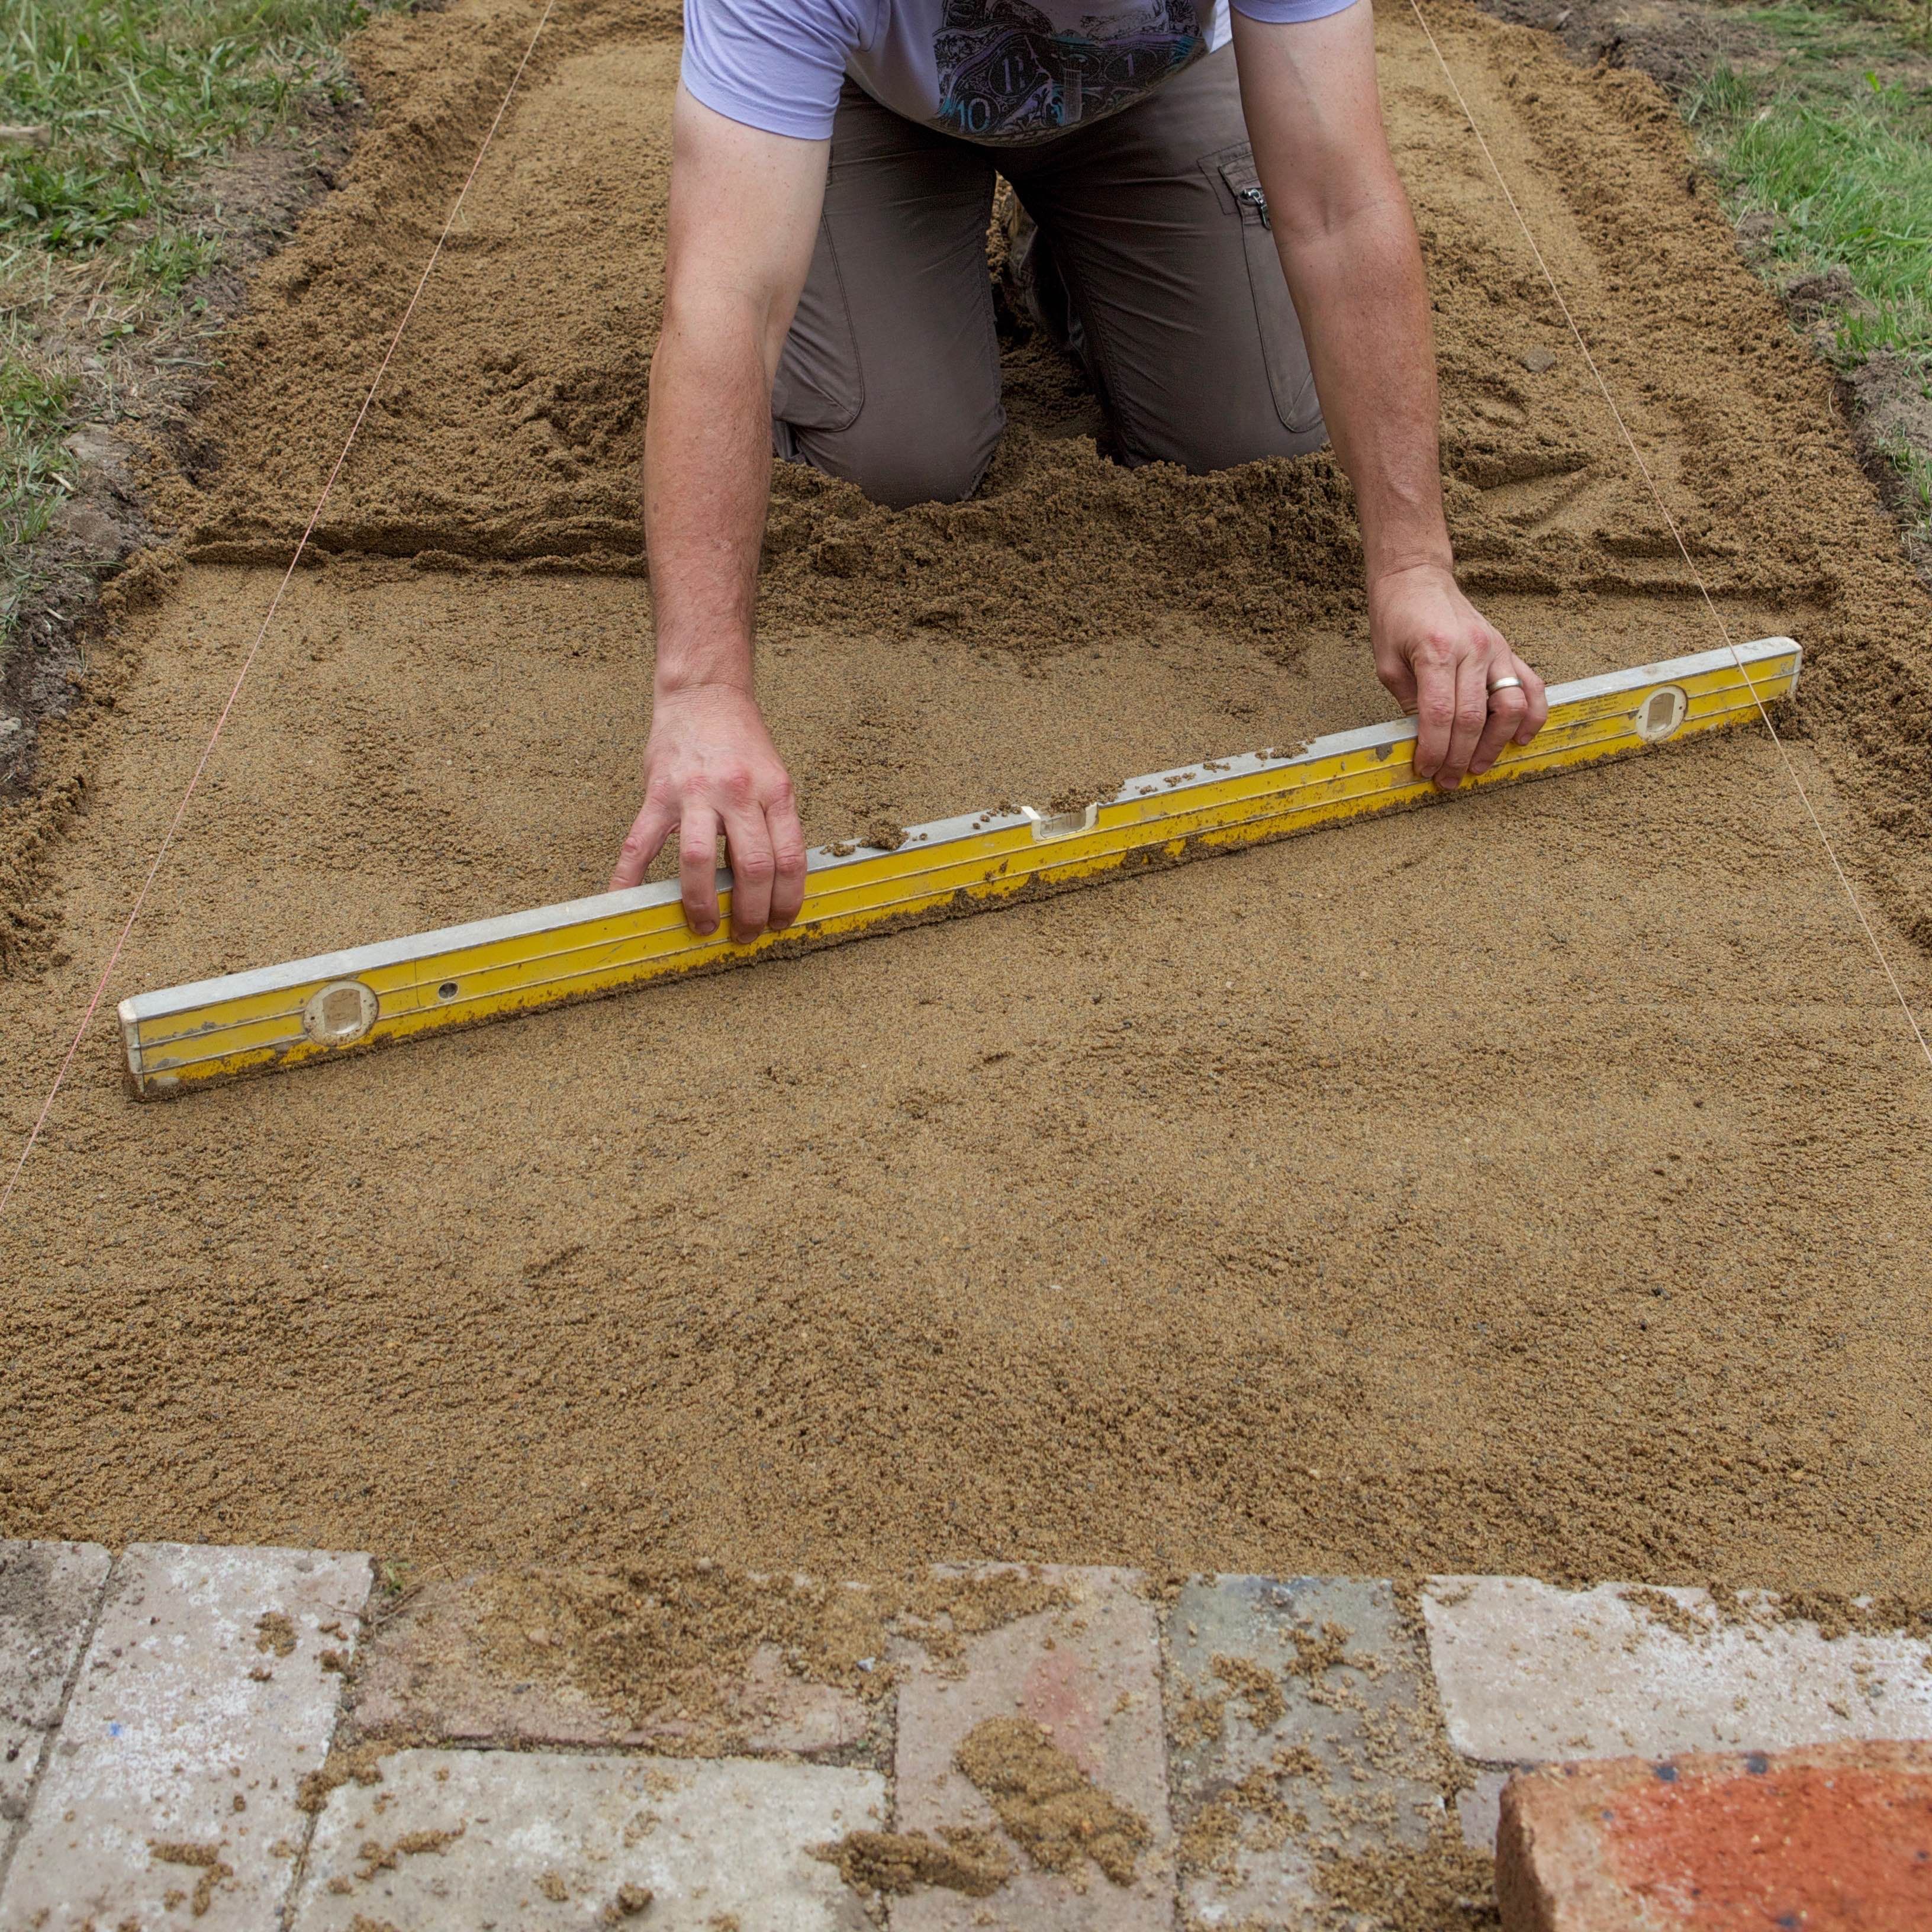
[(1329, 205), (723, 321)]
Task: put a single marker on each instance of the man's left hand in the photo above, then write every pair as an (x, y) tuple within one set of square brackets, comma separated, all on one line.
[(1444, 661)]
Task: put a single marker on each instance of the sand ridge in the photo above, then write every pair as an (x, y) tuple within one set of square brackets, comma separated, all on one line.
[(1238, 1218)]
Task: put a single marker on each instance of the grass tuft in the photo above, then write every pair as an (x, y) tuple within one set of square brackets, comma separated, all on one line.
[(1828, 140), (1914, 467), (33, 413), (34, 406), (1850, 183), (132, 92)]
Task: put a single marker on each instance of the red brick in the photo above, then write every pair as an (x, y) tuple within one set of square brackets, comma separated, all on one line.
[(1823, 1838)]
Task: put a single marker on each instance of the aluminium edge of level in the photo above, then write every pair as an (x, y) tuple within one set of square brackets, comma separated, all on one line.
[(345, 1002)]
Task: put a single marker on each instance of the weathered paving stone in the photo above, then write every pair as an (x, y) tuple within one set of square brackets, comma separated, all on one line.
[(1829, 1837), (1529, 1673), (1301, 1724), (209, 1689), (48, 1593), (426, 1675), (1088, 1674), (472, 1841)]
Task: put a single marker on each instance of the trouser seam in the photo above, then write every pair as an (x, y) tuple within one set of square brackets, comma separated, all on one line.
[(851, 329)]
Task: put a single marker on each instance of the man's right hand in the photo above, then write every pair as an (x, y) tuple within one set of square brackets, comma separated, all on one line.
[(710, 767)]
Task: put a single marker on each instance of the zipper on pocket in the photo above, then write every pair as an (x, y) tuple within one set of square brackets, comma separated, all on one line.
[(1290, 383)]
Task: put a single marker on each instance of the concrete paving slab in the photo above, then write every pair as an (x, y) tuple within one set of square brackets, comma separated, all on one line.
[(473, 1841), (49, 1592), (209, 1689), (1529, 1673), (1087, 1676), (427, 1675), (1300, 1719)]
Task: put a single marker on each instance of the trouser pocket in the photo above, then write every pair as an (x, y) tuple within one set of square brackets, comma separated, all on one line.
[(1238, 188)]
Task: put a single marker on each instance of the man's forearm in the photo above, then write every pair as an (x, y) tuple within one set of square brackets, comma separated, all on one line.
[(1364, 308), (707, 473), (744, 210)]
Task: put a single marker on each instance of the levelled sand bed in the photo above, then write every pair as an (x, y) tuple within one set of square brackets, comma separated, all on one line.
[(1534, 1184)]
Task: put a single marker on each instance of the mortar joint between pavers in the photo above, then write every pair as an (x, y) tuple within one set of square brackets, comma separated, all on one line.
[(298, 1864), (82, 1650), (843, 1757)]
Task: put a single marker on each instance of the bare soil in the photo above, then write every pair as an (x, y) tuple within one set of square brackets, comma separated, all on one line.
[(1676, 42), (1527, 1184)]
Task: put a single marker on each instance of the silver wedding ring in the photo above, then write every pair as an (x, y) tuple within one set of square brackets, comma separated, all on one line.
[(1506, 684)]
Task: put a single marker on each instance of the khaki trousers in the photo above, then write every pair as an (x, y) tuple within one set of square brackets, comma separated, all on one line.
[(1152, 259)]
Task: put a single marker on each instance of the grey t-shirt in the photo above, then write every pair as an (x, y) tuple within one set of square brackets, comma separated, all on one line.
[(998, 71)]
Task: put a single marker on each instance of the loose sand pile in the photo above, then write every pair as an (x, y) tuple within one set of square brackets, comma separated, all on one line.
[(1530, 1184)]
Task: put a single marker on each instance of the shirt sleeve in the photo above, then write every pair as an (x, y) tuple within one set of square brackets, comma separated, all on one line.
[(1278, 12), (773, 64)]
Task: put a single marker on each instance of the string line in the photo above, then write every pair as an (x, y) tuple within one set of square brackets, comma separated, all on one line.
[(274, 605), (1684, 549)]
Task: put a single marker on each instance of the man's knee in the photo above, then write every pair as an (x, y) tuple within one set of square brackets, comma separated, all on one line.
[(938, 457), (1218, 439)]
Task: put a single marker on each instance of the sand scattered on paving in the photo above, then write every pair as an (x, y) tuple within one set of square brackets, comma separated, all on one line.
[(1331, 1795), (1426, 1889), (1046, 1802), (1527, 1185), (960, 1859), (676, 1641), (359, 1763), (205, 1859)]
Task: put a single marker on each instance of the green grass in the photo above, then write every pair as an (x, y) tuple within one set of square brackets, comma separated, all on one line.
[(1830, 134), (1837, 41), (1915, 468), (100, 239), (33, 413), (134, 90), (1850, 183)]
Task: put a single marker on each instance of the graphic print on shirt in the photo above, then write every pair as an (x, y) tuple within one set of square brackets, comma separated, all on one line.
[(1007, 73)]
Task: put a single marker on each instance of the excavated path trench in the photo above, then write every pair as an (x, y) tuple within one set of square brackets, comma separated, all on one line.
[(1535, 1184)]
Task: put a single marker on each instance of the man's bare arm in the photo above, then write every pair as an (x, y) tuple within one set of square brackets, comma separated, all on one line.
[(744, 212), (1348, 244)]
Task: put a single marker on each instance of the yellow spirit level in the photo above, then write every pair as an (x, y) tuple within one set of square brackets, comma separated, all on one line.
[(369, 996)]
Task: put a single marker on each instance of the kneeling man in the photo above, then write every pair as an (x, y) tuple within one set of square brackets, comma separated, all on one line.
[(1215, 227)]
